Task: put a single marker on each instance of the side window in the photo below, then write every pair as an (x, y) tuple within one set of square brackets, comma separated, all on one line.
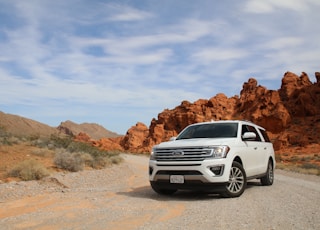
[(265, 135), (249, 128), (244, 129)]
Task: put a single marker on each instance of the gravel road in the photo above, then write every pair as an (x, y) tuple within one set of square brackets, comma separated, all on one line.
[(120, 197)]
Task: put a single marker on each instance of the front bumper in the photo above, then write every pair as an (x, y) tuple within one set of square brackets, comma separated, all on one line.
[(207, 174)]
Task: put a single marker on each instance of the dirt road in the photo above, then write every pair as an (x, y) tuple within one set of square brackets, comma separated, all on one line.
[(120, 198)]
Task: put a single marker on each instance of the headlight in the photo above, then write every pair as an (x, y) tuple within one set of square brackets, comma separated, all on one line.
[(220, 151), (152, 154)]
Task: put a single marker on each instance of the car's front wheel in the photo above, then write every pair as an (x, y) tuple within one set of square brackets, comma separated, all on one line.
[(237, 181)]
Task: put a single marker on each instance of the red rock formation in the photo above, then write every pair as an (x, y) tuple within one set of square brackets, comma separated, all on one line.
[(291, 115), (133, 140), (300, 96), (263, 106), (82, 137), (108, 144)]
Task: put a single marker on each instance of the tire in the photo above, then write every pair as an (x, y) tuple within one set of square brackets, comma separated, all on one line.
[(162, 191), (237, 181), (269, 177)]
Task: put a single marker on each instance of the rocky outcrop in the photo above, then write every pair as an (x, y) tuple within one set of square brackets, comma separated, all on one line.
[(134, 139), (300, 95), (291, 114), (263, 107)]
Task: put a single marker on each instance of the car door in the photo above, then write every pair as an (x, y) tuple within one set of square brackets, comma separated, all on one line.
[(254, 157)]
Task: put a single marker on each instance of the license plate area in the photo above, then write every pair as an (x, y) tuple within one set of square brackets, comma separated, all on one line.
[(176, 179)]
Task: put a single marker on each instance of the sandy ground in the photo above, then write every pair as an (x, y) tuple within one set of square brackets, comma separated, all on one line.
[(120, 197)]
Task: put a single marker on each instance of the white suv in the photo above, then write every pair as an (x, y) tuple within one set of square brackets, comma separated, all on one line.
[(217, 156)]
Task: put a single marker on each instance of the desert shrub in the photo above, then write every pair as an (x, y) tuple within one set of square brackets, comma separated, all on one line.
[(69, 161), (310, 166), (81, 147), (5, 141), (73, 156), (29, 170), (13, 140), (3, 131), (42, 152), (52, 142), (294, 158), (104, 161), (33, 137), (41, 142), (8, 139), (116, 159), (60, 142), (87, 159), (278, 157)]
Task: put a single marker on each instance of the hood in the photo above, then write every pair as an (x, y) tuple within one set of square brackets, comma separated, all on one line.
[(195, 142)]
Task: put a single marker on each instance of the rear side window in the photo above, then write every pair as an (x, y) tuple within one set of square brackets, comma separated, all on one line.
[(249, 128), (265, 135)]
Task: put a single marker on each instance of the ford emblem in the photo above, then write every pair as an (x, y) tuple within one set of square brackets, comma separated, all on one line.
[(177, 153)]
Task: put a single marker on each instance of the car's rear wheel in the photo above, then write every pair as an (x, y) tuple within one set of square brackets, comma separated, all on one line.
[(237, 181), (162, 191), (269, 177)]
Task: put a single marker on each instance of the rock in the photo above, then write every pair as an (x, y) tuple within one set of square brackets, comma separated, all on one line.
[(133, 140)]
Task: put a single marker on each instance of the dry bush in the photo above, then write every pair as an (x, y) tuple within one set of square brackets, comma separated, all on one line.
[(29, 170), (69, 161), (305, 168), (116, 159), (43, 152), (87, 159)]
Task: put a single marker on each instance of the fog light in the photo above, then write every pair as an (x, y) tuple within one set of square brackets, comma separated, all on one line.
[(217, 170), (150, 170)]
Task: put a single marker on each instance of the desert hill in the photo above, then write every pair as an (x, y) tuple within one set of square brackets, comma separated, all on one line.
[(291, 115), (21, 126), (95, 131)]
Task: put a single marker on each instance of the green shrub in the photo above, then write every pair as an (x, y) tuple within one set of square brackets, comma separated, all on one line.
[(29, 170)]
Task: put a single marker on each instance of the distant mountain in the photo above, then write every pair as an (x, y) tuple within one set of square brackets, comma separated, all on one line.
[(21, 126), (95, 131)]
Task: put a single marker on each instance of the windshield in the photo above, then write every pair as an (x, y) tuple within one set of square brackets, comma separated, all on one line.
[(214, 130)]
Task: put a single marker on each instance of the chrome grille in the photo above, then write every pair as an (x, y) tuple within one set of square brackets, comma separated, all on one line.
[(183, 154)]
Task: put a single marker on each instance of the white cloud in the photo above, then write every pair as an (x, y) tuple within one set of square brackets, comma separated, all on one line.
[(283, 43), (210, 54), (253, 6), (269, 6), (126, 13)]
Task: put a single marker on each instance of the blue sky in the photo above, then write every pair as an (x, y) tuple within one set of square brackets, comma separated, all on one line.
[(120, 62)]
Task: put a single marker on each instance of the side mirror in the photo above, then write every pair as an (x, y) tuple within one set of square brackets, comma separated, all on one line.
[(249, 136), (173, 138)]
